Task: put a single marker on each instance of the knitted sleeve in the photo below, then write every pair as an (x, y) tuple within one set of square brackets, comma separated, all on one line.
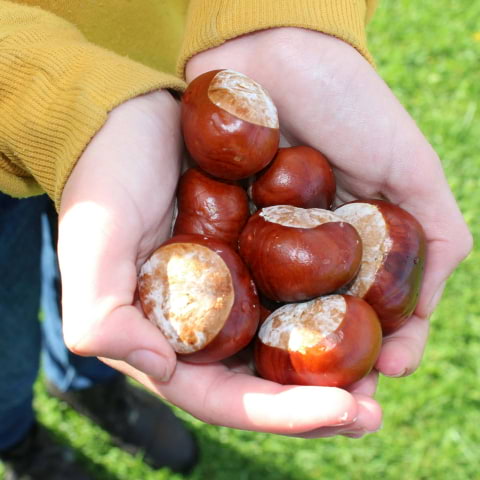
[(212, 22), (56, 90)]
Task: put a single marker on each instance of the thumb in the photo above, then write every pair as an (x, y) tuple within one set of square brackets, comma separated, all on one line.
[(97, 257)]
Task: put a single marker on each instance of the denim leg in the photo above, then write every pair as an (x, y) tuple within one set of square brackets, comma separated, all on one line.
[(20, 339), (66, 370)]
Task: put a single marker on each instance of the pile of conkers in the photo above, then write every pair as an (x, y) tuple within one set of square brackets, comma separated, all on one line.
[(257, 254)]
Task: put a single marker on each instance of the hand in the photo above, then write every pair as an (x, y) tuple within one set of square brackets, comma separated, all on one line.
[(116, 209), (329, 97), (359, 119)]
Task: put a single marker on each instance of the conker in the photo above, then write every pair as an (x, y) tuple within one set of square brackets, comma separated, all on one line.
[(330, 341), (210, 207), (299, 176), (296, 254), (230, 124), (391, 271), (200, 294)]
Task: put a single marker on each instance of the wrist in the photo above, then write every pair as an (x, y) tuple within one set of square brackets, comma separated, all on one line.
[(138, 146), (278, 56)]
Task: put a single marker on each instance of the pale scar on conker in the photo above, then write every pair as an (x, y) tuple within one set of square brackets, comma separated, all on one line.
[(186, 290), (244, 98)]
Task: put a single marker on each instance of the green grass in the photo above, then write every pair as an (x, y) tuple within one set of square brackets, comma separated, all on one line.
[(428, 54)]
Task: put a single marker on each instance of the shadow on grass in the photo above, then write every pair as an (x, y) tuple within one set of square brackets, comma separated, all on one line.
[(218, 461), (221, 461), (219, 457), (97, 470)]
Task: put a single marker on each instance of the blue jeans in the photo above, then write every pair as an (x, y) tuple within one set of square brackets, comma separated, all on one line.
[(29, 283)]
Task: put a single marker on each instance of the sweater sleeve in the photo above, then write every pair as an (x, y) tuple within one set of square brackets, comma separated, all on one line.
[(212, 22), (56, 90)]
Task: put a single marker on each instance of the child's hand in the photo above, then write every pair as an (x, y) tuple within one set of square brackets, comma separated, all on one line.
[(329, 97), (116, 209)]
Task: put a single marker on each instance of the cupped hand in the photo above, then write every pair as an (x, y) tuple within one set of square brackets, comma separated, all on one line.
[(116, 209), (232, 396), (329, 97)]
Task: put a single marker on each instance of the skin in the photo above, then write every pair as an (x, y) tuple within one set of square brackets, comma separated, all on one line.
[(110, 222)]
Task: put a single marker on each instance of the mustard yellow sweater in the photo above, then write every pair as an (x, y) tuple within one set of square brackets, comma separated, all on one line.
[(64, 64)]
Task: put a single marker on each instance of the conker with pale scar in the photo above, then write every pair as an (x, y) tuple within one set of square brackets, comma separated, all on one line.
[(230, 124), (296, 254), (210, 207), (200, 294), (299, 176), (330, 341), (391, 271)]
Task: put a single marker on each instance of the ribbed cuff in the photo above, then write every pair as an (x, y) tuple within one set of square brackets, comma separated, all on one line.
[(212, 22), (48, 129)]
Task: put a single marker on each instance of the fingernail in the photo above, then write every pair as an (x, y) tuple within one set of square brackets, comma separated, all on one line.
[(359, 433), (345, 419), (150, 363), (401, 373)]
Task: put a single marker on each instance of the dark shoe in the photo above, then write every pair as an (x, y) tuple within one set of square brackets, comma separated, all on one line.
[(137, 421), (39, 457)]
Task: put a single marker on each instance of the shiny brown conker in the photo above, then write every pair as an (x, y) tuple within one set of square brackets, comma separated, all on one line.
[(330, 341), (391, 271), (211, 207), (299, 176), (200, 294), (230, 124), (296, 254)]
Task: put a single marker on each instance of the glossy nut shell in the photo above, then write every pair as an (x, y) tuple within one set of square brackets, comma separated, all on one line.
[(200, 294), (391, 273), (330, 341), (210, 207), (299, 176), (298, 254), (230, 124)]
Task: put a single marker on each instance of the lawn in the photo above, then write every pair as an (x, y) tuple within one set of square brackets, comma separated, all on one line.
[(429, 54)]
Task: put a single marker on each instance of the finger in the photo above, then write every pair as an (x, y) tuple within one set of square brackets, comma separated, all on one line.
[(218, 396), (98, 285), (448, 240), (366, 386), (448, 243), (125, 334), (369, 420), (402, 351)]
